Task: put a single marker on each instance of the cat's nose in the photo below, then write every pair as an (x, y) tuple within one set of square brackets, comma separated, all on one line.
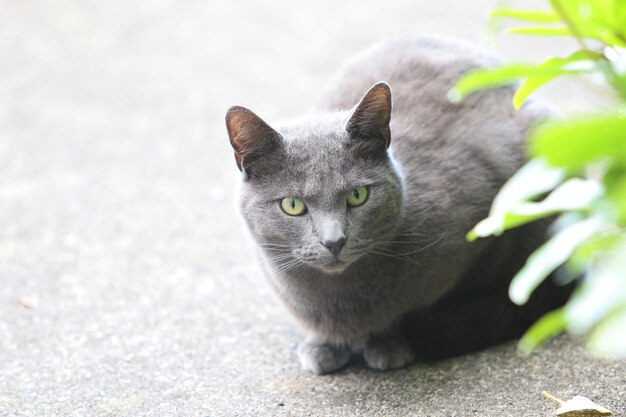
[(334, 245)]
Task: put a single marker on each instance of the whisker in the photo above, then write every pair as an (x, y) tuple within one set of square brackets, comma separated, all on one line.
[(406, 241), (280, 257), (419, 213), (395, 255), (410, 234), (298, 267), (291, 266), (283, 263), (427, 246), (275, 246), (279, 250)]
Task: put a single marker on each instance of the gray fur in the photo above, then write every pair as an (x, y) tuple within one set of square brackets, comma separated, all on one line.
[(409, 277)]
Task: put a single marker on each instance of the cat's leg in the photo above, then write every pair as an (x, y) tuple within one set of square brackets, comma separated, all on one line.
[(321, 357), (388, 351)]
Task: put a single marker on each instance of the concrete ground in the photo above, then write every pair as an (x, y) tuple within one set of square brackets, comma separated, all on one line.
[(127, 284)]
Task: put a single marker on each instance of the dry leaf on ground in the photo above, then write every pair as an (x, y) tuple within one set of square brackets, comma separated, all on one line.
[(28, 302), (578, 406)]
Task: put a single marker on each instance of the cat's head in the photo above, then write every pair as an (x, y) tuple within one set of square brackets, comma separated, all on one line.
[(323, 191)]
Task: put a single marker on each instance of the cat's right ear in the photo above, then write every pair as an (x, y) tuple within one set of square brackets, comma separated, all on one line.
[(369, 122), (253, 140)]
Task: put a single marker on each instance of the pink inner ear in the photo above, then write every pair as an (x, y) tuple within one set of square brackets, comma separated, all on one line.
[(373, 113), (233, 125), (251, 138), (378, 104)]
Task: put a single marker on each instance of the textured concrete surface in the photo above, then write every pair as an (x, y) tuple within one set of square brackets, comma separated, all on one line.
[(127, 286)]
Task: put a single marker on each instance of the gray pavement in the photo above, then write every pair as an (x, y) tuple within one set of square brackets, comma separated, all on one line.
[(118, 226)]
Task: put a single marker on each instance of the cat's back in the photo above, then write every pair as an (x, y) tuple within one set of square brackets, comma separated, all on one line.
[(421, 72), (426, 63)]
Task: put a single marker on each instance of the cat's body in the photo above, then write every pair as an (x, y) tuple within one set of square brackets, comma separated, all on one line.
[(392, 277)]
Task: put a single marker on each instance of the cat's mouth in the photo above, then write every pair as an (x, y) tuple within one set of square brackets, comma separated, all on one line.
[(327, 262), (334, 266), (337, 264)]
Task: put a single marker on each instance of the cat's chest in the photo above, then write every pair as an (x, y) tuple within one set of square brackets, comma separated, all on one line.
[(361, 301)]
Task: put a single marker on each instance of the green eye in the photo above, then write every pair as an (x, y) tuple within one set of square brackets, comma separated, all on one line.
[(357, 196), (293, 206)]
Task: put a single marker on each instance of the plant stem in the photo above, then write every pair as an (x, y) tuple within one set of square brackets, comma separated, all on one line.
[(556, 5)]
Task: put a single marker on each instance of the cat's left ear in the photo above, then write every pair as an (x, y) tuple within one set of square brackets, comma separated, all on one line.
[(255, 143), (370, 120)]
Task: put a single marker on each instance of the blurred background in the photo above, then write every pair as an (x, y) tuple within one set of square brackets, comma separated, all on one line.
[(128, 285)]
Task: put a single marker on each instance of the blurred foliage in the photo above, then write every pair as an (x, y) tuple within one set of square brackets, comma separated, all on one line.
[(577, 170)]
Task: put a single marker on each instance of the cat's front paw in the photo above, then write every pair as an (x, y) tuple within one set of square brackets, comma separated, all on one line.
[(322, 358), (387, 353)]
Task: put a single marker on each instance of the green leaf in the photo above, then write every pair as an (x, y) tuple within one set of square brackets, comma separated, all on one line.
[(574, 194), (545, 328), (527, 15), (611, 38), (593, 248), (607, 339), (602, 20), (509, 74), (614, 70), (532, 180), (552, 68), (600, 293), (529, 86), (617, 193), (573, 145), (550, 256), (486, 78), (541, 31)]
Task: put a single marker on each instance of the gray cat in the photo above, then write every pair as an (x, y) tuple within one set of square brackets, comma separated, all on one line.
[(361, 212)]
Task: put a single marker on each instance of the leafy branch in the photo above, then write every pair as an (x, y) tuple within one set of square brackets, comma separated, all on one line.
[(591, 228)]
